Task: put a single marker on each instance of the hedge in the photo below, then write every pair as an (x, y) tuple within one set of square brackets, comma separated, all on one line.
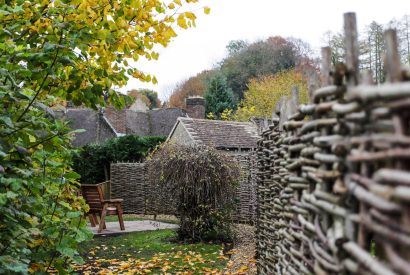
[(93, 161)]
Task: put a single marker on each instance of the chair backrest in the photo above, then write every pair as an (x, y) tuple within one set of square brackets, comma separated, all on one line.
[(93, 195)]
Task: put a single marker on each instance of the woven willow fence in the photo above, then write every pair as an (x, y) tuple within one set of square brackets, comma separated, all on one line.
[(131, 182), (334, 179), (128, 182), (245, 210)]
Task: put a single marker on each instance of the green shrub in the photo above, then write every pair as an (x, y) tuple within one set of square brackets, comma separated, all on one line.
[(93, 161), (41, 215), (200, 182)]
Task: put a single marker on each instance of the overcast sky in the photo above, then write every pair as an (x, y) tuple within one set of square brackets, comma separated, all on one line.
[(200, 48)]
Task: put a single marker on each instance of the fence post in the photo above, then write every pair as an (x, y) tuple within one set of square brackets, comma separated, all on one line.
[(325, 66), (352, 48), (392, 60), (295, 95)]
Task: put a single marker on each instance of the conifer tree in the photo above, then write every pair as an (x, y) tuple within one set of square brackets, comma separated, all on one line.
[(218, 96)]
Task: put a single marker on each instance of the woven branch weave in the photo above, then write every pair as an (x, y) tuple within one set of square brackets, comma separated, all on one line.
[(246, 191), (128, 182), (334, 184)]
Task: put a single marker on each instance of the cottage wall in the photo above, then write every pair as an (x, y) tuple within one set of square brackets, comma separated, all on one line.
[(181, 136)]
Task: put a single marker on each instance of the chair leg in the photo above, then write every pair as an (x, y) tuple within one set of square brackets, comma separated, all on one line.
[(102, 221), (96, 219), (92, 221), (120, 219)]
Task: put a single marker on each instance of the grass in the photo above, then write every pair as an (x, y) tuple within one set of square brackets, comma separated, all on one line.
[(134, 217), (150, 252), (373, 248)]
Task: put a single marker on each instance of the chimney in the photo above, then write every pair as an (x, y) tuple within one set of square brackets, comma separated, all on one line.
[(195, 107)]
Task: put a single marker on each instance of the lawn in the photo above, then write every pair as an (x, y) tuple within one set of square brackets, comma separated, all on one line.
[(154, 252), (136, 217)]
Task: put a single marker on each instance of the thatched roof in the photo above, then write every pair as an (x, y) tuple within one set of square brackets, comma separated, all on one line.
[(220, 134)]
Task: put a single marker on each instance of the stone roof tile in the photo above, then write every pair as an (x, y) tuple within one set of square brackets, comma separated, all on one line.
[(221, 134)]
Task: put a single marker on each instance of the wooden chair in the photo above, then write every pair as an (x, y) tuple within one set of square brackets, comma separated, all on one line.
[(94, 196)]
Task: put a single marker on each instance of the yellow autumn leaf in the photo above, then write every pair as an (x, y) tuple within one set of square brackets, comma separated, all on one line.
[(243, 268), (137, 74), (125, 265), (263, 93), (154, 55), (181, 21), (178, 2), (36, 243), (190, 15), (207, 10)]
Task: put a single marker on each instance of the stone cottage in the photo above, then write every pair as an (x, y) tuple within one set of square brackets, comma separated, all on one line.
[(109, 122), (238, 139)]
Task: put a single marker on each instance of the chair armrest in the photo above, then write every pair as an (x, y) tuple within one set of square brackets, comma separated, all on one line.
[(113, 200)]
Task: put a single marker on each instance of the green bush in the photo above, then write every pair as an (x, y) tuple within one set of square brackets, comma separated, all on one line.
[(41, 215), (93, 161), (53, 52), (200, 182)]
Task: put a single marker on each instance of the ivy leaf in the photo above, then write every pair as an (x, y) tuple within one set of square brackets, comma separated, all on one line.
[(7, 121), (65, 204), (71, 175), (66, 251)]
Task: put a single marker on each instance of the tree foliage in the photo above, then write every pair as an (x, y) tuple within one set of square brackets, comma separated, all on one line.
[(235, 46), (200, 181), (93, 161), (194, 86), (244, 62), (336, 43), (372, 46), (218, 97), (56, 51), (258, 59), (263, 94), (149, 97)]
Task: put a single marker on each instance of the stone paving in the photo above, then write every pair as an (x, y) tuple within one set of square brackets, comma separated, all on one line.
[(113, 228)]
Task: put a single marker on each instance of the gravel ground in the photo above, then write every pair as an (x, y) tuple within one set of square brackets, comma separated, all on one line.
[(242, 260)]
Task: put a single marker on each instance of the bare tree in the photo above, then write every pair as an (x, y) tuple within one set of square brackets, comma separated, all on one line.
[(373, 48), (403, 29), (336, 44)]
